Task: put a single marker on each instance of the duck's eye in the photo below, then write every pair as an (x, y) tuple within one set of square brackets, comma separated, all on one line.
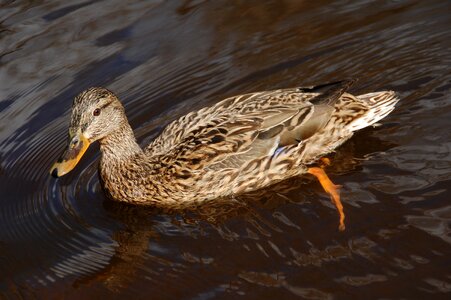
[(96, 112)]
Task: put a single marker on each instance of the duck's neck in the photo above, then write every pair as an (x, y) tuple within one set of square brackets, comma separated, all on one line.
[(120, 145)]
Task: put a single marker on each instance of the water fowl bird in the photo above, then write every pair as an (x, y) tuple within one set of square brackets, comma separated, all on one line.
[(240, 144)]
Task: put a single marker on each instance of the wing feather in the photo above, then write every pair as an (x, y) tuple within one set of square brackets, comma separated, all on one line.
[(239, 129)]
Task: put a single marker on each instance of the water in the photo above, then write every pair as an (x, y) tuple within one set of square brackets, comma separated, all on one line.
[(61, 239)]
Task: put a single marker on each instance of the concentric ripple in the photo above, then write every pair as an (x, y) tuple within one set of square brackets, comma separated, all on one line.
[(58, 215)]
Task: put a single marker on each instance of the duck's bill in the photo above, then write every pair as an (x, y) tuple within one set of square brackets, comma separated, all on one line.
[(71, 155)]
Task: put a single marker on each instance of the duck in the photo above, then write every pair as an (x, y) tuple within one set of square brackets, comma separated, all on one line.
[(240, 144)]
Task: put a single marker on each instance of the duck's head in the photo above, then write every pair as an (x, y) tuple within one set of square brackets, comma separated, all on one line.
[(96, 113)]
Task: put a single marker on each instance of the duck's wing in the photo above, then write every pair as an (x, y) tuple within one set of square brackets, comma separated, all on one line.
[(255, 114), (237, 111), (246, 127)]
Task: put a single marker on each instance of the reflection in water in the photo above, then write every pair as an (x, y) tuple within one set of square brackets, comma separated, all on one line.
[(63, 239), (134, 242)]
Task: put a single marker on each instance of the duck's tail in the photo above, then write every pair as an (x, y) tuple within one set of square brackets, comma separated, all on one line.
[(379, 104)]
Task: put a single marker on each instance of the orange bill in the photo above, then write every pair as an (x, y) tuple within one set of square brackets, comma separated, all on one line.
[(78, 145)]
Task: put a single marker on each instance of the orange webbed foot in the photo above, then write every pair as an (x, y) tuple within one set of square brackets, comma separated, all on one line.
[(332, 189)]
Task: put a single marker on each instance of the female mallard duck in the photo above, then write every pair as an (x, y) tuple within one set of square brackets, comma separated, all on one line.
[(241, 144)]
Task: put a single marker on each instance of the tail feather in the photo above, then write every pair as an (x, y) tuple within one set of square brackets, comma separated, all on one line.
[(379, 104)]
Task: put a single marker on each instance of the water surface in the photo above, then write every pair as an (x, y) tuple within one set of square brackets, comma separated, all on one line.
[(62, 239)]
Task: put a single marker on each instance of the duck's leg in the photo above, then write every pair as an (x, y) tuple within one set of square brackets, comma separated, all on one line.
[(332, 190)]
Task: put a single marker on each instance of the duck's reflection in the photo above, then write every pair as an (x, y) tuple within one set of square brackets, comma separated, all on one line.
[(134, 241)]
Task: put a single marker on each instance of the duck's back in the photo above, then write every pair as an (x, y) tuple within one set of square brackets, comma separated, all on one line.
[(264, 110), (252, 140)]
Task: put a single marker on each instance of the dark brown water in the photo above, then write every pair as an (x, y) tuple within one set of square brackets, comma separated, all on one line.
[(61, 239)]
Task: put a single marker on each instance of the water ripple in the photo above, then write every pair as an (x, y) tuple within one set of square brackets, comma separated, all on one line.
[(164, 59)]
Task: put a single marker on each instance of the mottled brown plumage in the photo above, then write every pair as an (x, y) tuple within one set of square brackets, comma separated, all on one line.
[(241, 144)]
